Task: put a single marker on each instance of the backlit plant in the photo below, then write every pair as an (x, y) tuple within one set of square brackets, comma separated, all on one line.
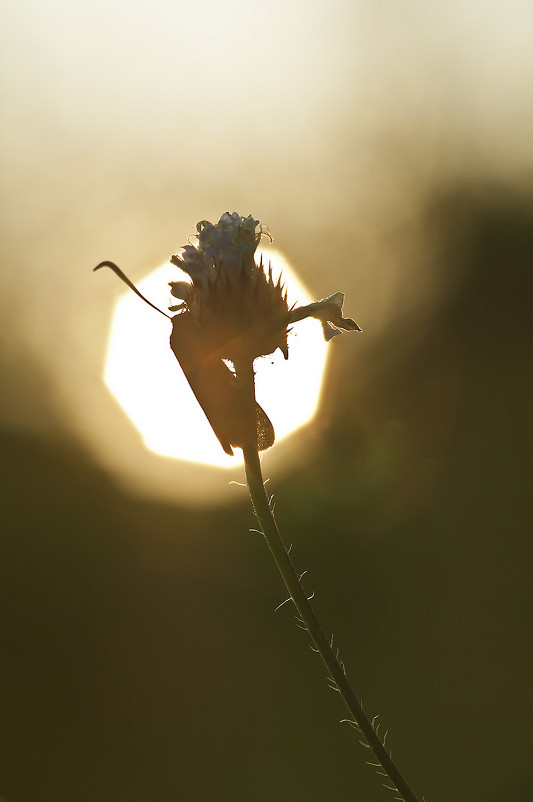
[(233, 311)]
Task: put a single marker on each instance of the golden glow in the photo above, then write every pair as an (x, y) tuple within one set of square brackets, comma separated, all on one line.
[(147, 381)]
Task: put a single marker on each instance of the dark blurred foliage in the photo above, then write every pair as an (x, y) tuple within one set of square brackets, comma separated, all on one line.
[(141, 655)]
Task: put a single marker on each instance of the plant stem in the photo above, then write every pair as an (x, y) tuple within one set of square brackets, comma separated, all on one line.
[(307, 615)]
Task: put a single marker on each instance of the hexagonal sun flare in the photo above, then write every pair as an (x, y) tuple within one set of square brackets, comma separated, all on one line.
[(145, 378)]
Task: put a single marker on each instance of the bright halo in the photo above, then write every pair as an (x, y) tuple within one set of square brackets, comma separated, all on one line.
[(144, 376)]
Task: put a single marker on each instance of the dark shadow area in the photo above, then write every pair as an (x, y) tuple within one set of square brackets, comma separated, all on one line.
[(141, 656)]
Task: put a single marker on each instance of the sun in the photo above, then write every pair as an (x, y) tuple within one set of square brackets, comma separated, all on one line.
[(145, 378)]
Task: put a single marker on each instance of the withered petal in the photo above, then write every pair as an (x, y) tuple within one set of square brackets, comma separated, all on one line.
[(329, 312)]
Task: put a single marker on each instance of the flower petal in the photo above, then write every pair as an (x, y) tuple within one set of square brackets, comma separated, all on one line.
[(183, 290), (329, 312)]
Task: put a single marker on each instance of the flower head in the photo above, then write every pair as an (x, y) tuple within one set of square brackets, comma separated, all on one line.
[(241, 311)]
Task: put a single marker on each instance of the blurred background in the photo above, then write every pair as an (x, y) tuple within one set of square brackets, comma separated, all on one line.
[(387, 145)]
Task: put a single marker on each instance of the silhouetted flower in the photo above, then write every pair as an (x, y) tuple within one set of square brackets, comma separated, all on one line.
[(232, 311), (241, 311)]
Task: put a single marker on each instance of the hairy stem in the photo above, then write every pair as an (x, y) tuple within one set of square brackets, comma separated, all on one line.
[(306, 613)]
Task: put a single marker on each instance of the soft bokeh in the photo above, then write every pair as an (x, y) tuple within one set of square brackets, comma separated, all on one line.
[(387, 145)]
